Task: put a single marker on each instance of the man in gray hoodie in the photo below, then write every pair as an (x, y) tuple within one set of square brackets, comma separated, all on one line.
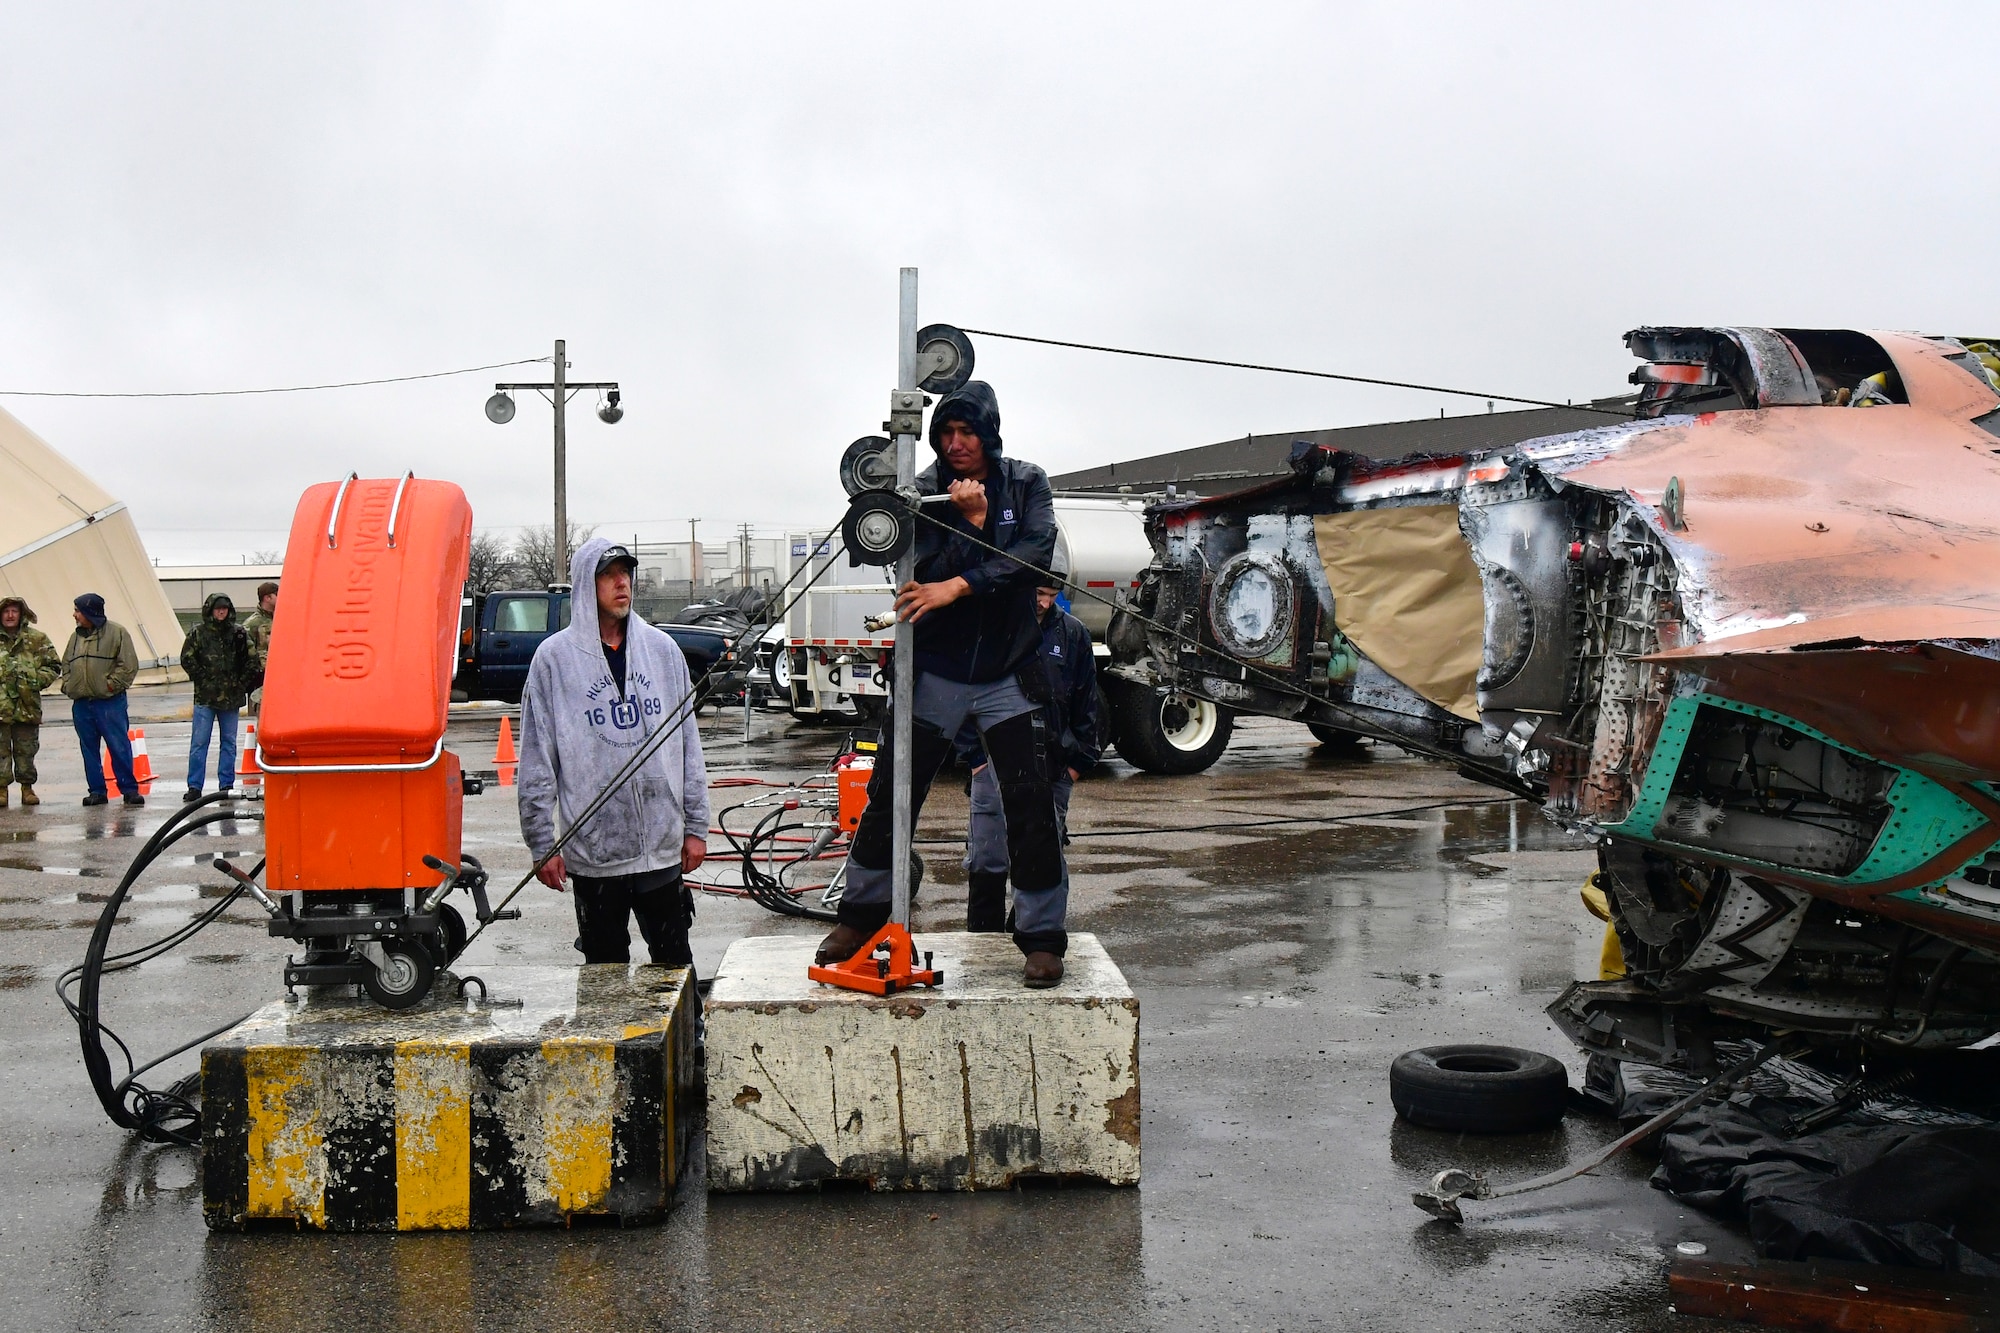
[(597, 690)]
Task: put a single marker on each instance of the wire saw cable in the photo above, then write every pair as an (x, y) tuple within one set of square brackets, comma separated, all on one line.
[(686, 708), (285, 388), (1464, 803), (1310, 374), (1274, 682)]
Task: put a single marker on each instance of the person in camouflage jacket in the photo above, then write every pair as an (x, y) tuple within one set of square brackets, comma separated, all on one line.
[(258, 626), (28, 665), (217, 657)]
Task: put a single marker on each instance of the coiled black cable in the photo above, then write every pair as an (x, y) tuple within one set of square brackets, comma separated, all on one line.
[(158, 1115), (771, 889)]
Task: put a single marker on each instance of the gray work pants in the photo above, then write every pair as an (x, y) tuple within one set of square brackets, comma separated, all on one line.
[(942, 708), (986, 837)]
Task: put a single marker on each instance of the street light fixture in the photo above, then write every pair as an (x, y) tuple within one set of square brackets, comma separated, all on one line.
[(500, 411)]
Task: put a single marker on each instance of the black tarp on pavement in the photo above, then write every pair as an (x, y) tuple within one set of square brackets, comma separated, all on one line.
[(1902, 1179)]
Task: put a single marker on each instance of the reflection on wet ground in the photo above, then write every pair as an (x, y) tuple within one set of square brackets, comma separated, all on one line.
[(1281, 966)]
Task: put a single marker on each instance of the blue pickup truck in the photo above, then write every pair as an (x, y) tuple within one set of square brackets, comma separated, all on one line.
[(498, 633)]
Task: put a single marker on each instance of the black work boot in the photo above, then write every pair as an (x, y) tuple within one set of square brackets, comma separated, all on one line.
[(841, 944), (1042, 970), (985, 901)]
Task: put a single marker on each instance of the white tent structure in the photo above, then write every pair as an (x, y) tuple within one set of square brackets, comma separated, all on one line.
[(62, 534)]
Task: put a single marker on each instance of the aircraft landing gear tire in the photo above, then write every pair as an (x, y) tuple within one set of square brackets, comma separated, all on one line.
[(1337, 737), (1479, 1089), (405, 980), (1173, 734)]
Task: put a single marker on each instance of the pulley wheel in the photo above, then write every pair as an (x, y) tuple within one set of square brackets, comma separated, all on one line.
[(944, 358), (868, 465), (879, 528)]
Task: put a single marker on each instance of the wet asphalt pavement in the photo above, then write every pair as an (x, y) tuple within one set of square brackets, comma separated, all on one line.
[(1281, 968)]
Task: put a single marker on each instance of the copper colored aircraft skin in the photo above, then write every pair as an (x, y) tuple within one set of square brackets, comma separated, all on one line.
[(1847, 564), (1825, 548)]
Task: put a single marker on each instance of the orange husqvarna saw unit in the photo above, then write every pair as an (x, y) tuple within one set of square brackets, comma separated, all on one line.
[(363, 804)]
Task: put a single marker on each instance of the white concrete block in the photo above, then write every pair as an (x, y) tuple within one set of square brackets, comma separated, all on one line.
[(972, 1085)]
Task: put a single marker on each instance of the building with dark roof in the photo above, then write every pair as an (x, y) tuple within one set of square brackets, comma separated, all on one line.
[(1231, 465)]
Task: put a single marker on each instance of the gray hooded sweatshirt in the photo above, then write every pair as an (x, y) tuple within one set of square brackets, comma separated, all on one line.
[(577, 731)]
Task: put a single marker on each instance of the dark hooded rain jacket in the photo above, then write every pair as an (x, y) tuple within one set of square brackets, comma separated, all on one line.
[(987, 634), (217, 658)]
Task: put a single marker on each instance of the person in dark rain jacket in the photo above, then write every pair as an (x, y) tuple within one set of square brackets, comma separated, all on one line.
[(220, 662), (978, 558), (1070, 672)]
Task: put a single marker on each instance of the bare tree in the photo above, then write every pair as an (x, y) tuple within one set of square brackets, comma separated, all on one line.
[(490, 564), (534, 551), (267, 557)]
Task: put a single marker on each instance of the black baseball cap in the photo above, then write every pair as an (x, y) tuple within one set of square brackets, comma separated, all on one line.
[(616, 555)]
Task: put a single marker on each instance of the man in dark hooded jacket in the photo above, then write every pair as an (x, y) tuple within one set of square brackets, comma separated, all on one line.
[(972, 604), (1070, 710), (218, 659)]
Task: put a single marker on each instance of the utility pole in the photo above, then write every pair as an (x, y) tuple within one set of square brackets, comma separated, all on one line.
[(559, 390), (694, 559), (743, 534), (560, 397)]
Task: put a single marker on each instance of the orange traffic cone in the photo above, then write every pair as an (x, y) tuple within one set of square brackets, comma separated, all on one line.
[(142, 763), (504, 753), (247, 771)]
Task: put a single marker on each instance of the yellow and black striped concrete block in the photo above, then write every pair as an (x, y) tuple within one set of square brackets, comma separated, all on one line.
[(568, 1093)]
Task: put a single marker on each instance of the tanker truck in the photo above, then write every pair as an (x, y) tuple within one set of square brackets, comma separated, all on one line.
[(824, 663)]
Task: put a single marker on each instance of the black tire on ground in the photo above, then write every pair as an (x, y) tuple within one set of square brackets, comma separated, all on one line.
[(1326, 735), (1175, 734), (1479, 1089)]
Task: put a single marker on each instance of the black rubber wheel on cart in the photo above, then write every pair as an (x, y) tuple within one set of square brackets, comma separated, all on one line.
[(406, 980), (450, 942), (1479, 1089)]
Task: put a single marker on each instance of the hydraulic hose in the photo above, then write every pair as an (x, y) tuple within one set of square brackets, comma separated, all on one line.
[(168, 1115)]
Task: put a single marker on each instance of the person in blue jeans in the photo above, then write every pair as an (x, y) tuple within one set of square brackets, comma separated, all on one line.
[(98, 666), (219, 661)]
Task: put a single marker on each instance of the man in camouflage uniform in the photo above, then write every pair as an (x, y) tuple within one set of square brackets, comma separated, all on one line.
[(28, 665), (217, 658), (258, 626)]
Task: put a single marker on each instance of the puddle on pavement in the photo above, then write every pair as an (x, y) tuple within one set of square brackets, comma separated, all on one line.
[(22, 863), (16, 976)]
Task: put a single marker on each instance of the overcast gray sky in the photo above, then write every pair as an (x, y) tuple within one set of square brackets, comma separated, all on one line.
[(710, 203)]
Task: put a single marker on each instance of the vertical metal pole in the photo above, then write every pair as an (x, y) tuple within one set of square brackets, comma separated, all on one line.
[(903, 698), (561, 544)]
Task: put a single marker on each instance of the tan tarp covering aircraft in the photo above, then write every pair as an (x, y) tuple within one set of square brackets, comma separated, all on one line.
[(62, 534), (1406, 592)]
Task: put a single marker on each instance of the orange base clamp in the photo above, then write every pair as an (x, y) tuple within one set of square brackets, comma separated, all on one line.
[(883, 966)]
